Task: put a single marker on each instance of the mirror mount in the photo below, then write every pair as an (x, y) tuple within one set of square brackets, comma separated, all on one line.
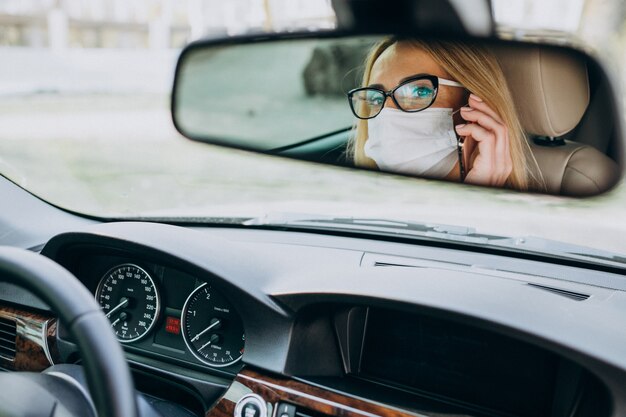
[(443, 17)]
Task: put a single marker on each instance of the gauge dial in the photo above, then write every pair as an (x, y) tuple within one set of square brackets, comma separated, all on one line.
[(212, 329), (130, 300)]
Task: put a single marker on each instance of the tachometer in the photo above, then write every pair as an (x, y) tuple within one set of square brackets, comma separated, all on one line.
[(212, 329), (130, 300)]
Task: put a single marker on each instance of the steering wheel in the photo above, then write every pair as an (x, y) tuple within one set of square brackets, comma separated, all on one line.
[(108, 376)]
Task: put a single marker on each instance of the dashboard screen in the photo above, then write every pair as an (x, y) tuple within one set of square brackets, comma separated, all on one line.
[(456, 362)]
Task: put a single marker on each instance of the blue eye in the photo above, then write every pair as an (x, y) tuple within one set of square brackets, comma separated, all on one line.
[(422, 92), (375, 98)]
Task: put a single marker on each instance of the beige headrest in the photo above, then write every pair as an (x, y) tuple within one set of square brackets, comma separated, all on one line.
[(550, 87)]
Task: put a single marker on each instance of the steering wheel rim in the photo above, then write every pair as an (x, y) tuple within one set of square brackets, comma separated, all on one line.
[(108, 376)]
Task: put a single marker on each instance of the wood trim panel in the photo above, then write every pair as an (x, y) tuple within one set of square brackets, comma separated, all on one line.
[(275, 389), (35, 343)]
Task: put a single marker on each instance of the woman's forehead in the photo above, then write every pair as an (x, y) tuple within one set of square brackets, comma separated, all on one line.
[(402, 60)]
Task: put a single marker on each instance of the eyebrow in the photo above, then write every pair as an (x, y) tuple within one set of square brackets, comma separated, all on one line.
[(379, 86), (382, 87), (413, 76)]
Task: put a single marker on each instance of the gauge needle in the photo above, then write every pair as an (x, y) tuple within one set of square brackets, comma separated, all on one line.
[(122, 316), (212, 325), (214, 338), (124, 303), (205, 345)]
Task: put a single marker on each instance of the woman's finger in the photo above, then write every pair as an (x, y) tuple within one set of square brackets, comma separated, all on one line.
[(485, 139), (502, 164), (477, 103), (477, 116), (492, 163)]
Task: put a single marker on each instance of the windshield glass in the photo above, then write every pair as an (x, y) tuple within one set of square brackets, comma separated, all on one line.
[(84, 110)]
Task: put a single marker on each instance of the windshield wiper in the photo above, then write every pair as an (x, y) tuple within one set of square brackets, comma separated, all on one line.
[(441, 232)]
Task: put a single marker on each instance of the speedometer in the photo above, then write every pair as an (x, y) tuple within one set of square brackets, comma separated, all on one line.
[(212, 330), (130, 300)]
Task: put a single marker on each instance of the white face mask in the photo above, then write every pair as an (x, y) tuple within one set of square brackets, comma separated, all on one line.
[(422, 143)]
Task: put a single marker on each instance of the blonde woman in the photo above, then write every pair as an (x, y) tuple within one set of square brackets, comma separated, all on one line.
[(440, 110)]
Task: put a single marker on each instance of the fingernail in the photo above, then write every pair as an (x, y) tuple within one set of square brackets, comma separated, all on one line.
[(460, 126), (466, 109), (472, 96)]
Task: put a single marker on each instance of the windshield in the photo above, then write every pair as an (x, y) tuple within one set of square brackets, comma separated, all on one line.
[(84, 110)]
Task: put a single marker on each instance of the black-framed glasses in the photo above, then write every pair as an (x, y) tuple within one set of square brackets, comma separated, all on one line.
[(412, 95)]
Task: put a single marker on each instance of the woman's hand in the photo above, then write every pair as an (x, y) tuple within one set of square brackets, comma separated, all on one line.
[(487, 137)]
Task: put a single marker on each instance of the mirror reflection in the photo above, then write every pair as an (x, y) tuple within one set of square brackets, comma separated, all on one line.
[(524, 117)]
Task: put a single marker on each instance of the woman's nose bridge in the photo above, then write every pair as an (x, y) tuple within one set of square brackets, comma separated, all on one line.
[(390, 103)]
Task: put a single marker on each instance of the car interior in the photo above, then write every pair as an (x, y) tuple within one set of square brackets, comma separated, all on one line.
[(141, 318), (302, 325)]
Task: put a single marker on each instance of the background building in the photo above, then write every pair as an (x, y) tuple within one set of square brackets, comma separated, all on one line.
[(156, 24)]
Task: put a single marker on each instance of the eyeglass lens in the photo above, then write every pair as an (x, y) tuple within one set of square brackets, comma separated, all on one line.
[(412, 96)]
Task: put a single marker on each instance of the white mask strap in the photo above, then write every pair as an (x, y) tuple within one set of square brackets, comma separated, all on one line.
[(449, 83)]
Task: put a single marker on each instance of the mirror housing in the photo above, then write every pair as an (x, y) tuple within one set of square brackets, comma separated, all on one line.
[(574, 130)]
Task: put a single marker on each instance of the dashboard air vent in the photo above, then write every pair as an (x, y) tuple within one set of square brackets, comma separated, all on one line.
[(394, 264), (8, 335), (378, 260), (565, 293)]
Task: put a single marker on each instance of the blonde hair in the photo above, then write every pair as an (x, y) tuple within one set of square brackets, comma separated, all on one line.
[(478, 70)]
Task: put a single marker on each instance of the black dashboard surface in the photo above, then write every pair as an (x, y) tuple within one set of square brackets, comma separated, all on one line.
[(291, 291)]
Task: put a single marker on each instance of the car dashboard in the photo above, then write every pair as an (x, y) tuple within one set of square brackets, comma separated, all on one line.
[(234, 322)]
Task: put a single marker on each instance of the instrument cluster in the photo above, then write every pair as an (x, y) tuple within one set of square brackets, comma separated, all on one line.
[(164, 310)]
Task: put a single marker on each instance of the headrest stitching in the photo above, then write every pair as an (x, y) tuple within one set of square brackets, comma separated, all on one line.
[(567, 161), (583, 174), (546, 108)]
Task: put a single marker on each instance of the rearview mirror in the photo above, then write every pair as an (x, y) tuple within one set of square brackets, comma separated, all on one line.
[(539, 118)]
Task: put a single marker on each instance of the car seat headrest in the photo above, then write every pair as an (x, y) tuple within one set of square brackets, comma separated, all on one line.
[(550, 87)]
